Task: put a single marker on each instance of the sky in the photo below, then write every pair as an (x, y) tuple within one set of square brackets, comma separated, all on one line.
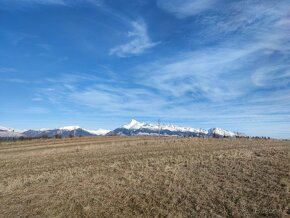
[(100, 63)]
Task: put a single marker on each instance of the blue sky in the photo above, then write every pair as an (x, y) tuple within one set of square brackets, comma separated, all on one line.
[(99, 63)]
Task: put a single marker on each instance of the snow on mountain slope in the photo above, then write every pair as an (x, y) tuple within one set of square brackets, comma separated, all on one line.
[(132, 128), (9, 133), (94, 132), (139, 128), (66, 131), (2, 128), (221, 132), (224, 133), (70, 128), (99, 131), (134, 124)]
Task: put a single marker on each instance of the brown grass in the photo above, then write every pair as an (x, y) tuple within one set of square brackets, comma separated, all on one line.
[(145, 177)]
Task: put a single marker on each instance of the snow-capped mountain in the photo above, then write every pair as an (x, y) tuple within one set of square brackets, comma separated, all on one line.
[(9, 133), (2, 128), (66, 131), (133, 128), (138, 128), (134, 124), (99, 131), (70, 128), (218, 132)]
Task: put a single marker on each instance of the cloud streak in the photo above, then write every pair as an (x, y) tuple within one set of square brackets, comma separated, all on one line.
[(185, 8), (139, 41), (25, 3)]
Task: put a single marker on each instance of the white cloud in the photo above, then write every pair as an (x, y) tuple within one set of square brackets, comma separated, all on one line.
[(185, 8), (139, 41), (231, 68), (214, 74), (272, 76), (113, 98)]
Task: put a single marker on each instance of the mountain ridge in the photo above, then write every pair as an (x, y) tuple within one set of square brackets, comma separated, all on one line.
[(66, 131), (133, 128)]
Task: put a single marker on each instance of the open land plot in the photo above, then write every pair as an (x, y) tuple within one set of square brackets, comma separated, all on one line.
[(144, 177)]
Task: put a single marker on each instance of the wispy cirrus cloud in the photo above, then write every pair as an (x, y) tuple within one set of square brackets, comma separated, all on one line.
[(185, 8), (26, 3), (32, 2), (139, 41), (107, 96), (222, 73), (272, 76), (115, 99), (45, 2), (14, 80), (253, 53)]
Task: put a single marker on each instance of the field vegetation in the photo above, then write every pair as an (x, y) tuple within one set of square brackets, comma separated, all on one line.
[(145, 177)]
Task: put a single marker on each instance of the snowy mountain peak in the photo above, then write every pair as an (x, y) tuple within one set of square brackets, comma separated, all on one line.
[(133, 128), (9, 133), (134, 124), (221, 132), (99, 131), (137, 128), (70, 128), (2, 128), (224, 132)]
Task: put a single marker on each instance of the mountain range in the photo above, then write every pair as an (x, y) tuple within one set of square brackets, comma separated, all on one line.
[(9, 133), (133, 128), (67, 131)]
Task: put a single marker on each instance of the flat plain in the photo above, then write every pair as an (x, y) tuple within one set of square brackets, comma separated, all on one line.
[(145, 177)]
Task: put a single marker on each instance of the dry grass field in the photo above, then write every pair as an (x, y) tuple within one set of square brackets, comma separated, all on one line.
[(144, 177)]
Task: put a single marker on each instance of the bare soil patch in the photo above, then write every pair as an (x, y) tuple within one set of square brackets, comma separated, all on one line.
[(145, 177)]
